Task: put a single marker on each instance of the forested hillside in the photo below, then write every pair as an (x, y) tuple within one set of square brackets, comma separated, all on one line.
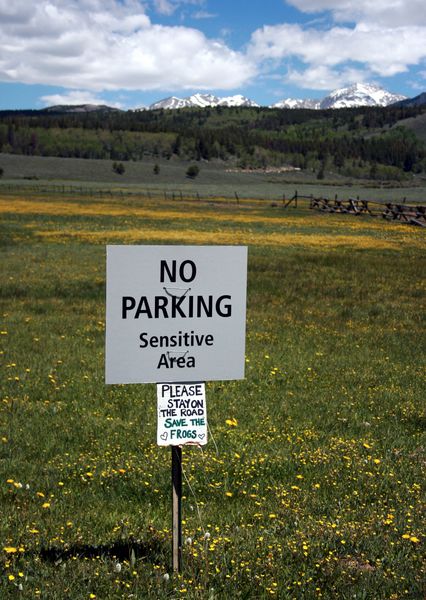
[(361, 142)]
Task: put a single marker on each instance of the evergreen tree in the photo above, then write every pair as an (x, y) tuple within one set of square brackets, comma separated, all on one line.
[(192, 171), (118, 168)]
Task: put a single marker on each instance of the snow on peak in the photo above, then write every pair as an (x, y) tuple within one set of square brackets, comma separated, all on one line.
[(359, 94), (297, 103), (170, 102), (237, 100), (201, 101)]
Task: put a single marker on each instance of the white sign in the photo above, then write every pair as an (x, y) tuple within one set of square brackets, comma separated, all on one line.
[(175, 313), (182, 414)]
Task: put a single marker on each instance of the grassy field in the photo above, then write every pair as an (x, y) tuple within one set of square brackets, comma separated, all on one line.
[(310, 486), (215, 179)]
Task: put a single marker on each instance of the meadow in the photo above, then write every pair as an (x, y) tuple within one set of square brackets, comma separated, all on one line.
[(311, 484), (32, 174)]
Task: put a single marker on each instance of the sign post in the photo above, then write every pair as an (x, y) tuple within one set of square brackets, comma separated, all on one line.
[(176, 314), (181, 419), (176, 508)]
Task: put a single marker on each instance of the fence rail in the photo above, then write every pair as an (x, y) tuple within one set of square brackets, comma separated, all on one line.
[(410, 214)]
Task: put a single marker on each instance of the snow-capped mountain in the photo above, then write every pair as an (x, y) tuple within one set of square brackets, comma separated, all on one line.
[(237, 100), (297, 103), (360, 94), (170, 102), (201, 101)]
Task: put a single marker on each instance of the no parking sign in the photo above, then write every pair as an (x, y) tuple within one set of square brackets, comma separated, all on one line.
[(175, 313)]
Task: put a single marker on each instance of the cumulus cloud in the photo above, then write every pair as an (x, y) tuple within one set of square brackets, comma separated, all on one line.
[(108, 45), (382, 43), (323, 78), (367, 45), (385, 12)]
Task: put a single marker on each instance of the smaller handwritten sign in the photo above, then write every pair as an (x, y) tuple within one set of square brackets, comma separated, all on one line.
[(182, 414)]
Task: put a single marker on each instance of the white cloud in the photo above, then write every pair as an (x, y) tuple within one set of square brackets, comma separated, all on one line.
[(369, 39), (108, 45), (168, 7), (164, 7), (332, 53), (76, 97), (324, 78), (203, 14), (385, 12)]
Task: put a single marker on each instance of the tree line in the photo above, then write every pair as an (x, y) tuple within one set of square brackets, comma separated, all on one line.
[(365, 141)]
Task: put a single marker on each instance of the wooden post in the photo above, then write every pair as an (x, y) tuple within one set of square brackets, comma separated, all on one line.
[(177, 508)]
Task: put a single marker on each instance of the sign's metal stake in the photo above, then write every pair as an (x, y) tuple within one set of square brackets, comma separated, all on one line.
[(177, 508)]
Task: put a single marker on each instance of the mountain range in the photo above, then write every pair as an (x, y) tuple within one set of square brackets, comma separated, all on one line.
[(202, 101), (359, 94)]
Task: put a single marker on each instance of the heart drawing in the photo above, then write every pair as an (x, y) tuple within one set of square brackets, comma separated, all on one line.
[(201, 436), (164, 436)]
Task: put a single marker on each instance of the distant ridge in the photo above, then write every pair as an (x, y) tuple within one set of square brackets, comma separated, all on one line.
[(419, 100), (357, 95), (79, 108), (202, 101)]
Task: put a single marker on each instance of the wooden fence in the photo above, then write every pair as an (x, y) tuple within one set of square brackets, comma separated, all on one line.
[(410, 214), (392, 211)]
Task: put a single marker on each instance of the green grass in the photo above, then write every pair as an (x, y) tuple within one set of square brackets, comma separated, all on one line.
[(315, 493), (36, 172)]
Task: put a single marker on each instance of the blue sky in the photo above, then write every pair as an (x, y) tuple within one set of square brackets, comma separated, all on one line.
[(130, 53)]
